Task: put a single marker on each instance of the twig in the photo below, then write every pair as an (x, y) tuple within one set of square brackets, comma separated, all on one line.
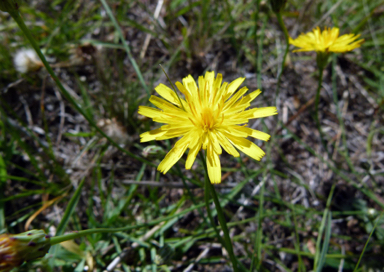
[(27, 111), (201, 255), (149, 36)]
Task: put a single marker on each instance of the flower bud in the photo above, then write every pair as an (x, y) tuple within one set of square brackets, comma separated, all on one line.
[(18, 248), (277, 5)]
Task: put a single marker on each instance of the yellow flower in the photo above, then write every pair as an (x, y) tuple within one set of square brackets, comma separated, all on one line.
[(18, 248), (207, 117), (326, 41)]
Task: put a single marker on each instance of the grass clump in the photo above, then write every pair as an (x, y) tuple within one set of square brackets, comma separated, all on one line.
[(71, 161)]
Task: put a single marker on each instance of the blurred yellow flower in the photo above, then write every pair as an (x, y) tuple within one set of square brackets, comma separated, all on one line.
[(207, 117), (326, 41), (18, 248)]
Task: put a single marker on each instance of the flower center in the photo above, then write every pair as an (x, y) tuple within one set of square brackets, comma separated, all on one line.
[(208, 121)]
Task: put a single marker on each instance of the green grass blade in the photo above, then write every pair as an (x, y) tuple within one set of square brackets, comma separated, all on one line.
[(319, 254), (64, 221), (366, 244), (3, 179), (324, 249)]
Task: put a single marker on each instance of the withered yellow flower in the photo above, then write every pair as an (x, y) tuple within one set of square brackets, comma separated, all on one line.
[(207, 117), (326, 41)]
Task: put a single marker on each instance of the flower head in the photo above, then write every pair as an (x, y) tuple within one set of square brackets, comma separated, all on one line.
[(326, 41), (18, 248), (26, 60), (207, 117)]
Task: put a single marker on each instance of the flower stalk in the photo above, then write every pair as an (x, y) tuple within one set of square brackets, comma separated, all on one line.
[(277, 5), (286, 36), (210, 190), (321, 62)]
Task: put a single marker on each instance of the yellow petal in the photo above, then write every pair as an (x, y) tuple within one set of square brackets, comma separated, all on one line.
[(253, 133), (179, 123), (246, 147), (257, 113), (190, 84), (233, 86), (264, 112), (219, 95), (166, 106), (243, 103), (201, 81), (168, 94), (181, 88), (213, 165), (214, 142), (235, 97), (228, 147), (173, 156), (250, 97), (210, 77), (235, 119), (195, 148), (217, 83), (149, 112), (166, 118), (151, 135), (233, 130), (172, 133), (257, 134)]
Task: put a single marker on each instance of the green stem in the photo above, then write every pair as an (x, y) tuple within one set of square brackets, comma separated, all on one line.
[(259, 232), (206, 199), (317, 101), (223, 224), (210, 190), (75, 235), (27, 33), (286, 36)]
